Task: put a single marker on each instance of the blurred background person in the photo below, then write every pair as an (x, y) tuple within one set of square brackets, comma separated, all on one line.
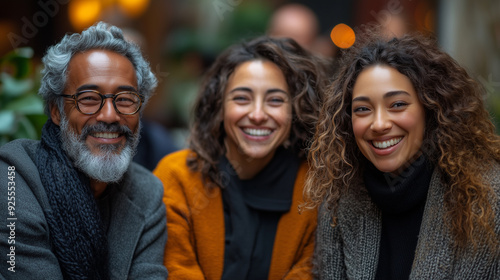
[(300, 23), (395, 26), (297, 22)]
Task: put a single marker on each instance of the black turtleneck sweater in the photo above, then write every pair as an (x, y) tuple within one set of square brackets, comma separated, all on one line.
[(252, 209), (402, 200)]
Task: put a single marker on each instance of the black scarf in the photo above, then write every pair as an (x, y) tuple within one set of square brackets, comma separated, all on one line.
[(78, 239), (399, 193)]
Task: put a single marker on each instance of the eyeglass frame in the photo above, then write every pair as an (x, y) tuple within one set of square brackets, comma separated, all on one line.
[(103, 98)]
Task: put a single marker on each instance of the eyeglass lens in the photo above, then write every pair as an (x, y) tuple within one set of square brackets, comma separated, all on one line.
[(125, 102)]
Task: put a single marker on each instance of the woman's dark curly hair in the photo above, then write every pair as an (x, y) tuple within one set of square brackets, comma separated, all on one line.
[(459, 135), (306, 78)]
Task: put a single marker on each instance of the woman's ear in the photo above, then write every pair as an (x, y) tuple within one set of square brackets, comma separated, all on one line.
[(55, 114)]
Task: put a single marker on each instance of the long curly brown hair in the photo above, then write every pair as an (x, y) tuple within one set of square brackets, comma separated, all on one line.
[(306, 78), (459, 137)]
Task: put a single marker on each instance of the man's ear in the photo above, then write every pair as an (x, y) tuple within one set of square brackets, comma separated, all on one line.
[(54, 114)]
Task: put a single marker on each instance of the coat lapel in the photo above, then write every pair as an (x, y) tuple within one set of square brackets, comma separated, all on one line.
[(434, 242), (126, 225), (209, 231), (362, 226)]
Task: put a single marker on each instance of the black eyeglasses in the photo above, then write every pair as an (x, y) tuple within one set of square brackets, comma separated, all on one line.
[(90, 102)]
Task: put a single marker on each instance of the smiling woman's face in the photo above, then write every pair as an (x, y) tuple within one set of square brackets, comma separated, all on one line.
[(257, 111), (388, 120)]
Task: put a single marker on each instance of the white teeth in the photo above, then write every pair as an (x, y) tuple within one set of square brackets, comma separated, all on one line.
[(386, 144), (257, 132), (106, 135)]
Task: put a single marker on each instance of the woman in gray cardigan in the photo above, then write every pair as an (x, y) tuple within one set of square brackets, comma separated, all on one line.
[(405, 166)]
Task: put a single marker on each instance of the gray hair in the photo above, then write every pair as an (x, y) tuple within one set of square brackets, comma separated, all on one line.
[(99, 36)]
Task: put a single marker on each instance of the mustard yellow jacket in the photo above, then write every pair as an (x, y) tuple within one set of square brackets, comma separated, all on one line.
[(195, 224)]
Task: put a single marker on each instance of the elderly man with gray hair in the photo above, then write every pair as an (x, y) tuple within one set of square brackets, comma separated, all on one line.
[(76, 206)]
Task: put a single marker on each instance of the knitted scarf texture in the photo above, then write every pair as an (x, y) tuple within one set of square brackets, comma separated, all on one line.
[(76, 232)]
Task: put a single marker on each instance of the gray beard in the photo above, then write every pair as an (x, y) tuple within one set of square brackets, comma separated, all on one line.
[(108, 166)]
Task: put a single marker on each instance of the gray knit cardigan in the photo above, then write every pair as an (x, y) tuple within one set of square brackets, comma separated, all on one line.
[(350, 250)]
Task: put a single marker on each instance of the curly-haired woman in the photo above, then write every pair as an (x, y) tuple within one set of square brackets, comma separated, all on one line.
[(404, 163), (232, 198)]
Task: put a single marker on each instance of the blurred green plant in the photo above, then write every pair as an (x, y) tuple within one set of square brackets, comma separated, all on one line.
[(21, 109)]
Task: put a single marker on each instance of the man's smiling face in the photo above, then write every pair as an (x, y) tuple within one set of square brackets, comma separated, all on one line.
[(108, 73), (101, 145)]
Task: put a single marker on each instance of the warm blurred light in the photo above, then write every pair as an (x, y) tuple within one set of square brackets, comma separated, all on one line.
[(343, 36), (133, 8), (424, 16), (84, 13)]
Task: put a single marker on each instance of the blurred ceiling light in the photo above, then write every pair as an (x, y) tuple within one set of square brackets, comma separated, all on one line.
[(343, 36), (84, 13), (133, 8)]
